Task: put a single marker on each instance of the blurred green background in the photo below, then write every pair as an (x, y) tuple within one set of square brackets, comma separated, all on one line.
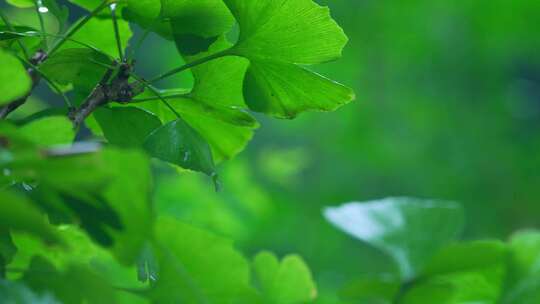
[(448, 107)]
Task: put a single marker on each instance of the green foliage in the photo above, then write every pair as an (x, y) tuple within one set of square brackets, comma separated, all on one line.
[(449, 271), (78, 220), (14, 81)]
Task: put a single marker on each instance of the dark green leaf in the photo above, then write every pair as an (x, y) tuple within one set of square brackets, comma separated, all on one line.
[(17, 214), (126, 127), (18, 293), (372, 290), (177, 143)]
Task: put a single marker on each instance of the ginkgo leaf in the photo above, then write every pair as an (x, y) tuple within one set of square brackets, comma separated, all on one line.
[(47, 131), (178, 143), (197, 267), (277, 36), (14, 80), (197, 24), (285, 282), (215, 106), (126, 126)]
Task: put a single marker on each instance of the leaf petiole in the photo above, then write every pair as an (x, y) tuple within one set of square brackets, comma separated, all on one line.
[(38, 6), (190, 65), (79, 25)]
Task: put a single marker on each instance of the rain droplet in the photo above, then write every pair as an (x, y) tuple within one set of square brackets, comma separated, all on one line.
[(27, 187), (41, 8), (186, 156)]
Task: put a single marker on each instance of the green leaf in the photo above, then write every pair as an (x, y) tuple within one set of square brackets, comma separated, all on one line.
[(409, 230), (178, 143), (147, 14), (126, 126), (468, 272), (99, 34), (15, 82), (48, 131), (21, 3), (78, 66), (372, 289), (77, 284), (288, 282), (18, 293), (197, 267), (215, 105), (17, 214), (196, 25), (127, 193), (278, 35), (61, 12), (523, 283)]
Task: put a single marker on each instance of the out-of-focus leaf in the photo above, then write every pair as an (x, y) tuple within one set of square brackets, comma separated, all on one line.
[(78, 66), (178, 143), (372, 290), (467, 272), (285, 282), (409, 230), (21, 3), (276, 36), (17, 214), (98, 33), (14, 80), (126, 126), (523, 283), (198, 267), (61, 12), (48, 131), (77, 284), (197, 24), (18, 293)]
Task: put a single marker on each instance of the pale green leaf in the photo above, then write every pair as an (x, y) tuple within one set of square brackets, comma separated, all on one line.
[(278, 35), (197, 267), (285, 282), (14, 80), (48, 131), (409, 230)]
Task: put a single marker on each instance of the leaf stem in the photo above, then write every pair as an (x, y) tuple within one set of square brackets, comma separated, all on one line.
[(179, 95), (190, 65), (78, 26), (116, 32), (155, 92), (37, 5), (11, 28)]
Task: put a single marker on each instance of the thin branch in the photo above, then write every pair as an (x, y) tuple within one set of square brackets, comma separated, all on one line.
[(117, 32), (79, 25), (191, 65), (34, 34), (37, 6), (179, 95), (11, 28), (155, 92), (50, 82)]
